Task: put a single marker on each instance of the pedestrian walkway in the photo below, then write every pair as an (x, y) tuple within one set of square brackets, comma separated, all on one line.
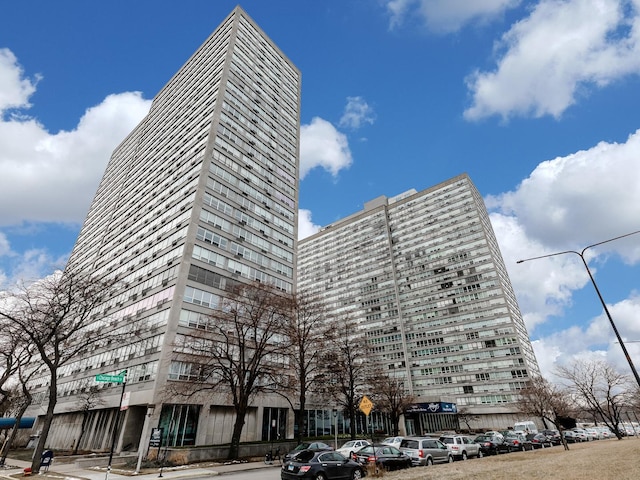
[(70, 471)]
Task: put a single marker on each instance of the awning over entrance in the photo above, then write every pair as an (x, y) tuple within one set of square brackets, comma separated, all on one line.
[(9, 422)]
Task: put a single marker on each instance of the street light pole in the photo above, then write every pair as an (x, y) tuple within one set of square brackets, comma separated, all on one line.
[(604, 305)]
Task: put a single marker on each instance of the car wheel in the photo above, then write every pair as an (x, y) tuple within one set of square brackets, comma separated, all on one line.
[(480, 454), (429, 461), (464, 455), (357, 474), (450, 459), (320, 476)]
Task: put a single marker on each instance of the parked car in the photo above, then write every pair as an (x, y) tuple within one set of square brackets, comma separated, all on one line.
[(495, 433), (323, 464), (553, 436), (461, 446), (584, 436), (425, 450), (516, 441), (352, 446), (393, 441), (491, 444), (571, 437), (539, 440), (384, 456), (594, 434), (605, 431), (313, 446)]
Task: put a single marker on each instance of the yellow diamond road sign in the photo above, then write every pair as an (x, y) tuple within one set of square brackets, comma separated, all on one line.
[(365, 405)]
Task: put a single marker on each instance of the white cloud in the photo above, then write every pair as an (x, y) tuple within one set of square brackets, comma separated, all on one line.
[(356, 113), (306, 227), (560, 51), (50, 177), (595, 340), (566, 204), (53, 177), (448, 15), (322, 145), (5, 247), (544, 286), (589, 196), (14, 89), (27, 266)]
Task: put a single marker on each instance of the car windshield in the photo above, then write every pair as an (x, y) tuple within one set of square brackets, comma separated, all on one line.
[(302, 446), (349, 444)]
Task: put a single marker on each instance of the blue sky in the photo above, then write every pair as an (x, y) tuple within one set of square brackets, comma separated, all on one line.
[(538, 101)]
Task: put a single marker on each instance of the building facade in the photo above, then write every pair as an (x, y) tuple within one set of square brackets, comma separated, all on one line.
[(204, 191), (422, 277)]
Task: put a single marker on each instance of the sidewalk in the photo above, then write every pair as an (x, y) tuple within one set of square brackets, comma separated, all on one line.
[(70, 471)]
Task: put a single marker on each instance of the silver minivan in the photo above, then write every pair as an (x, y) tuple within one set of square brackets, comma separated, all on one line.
[(425, 450)]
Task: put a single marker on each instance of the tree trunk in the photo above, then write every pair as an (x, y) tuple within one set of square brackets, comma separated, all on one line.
[(301, 417), (48, 419), (234, 448), (395, 420), (352, 422)]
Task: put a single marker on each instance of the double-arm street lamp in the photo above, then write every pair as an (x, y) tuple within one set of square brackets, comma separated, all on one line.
[(604, 305)]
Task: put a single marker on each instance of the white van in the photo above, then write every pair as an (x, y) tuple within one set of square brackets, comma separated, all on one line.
[(526, 427)]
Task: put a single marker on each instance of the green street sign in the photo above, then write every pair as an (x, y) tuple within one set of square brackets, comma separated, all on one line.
[(101, 377)]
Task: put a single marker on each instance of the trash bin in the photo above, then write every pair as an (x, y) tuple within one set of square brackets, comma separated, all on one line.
[(46, 459)]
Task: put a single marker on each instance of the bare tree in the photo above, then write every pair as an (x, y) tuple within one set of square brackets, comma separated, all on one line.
[(241, 351), (20, 399), (600, 389), (391, 396), (465, 416), (346, 377), (14, 353), (308, 333), (547, 401), (88, 399), (58, 317)]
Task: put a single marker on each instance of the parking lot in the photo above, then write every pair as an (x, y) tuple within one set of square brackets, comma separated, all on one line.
[(602, 460)]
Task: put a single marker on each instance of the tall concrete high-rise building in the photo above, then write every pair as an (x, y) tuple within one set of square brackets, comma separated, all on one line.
[(202, 192), (422, 277)]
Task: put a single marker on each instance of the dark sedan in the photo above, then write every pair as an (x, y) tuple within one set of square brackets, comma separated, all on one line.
[(539, 440), (321, 466), (553, 435), (313, 446), (491, 444), (517, 442), (384, 457)]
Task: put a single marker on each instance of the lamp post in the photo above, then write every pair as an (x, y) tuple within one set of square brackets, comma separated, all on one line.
[(595, 286)]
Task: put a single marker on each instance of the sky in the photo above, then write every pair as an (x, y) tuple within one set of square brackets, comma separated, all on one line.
[(537, 101)]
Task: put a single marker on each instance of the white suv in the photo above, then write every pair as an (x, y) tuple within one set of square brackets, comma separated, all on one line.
[(461, 446)]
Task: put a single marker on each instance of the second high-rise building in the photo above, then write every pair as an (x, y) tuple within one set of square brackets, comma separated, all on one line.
[(422, 277)]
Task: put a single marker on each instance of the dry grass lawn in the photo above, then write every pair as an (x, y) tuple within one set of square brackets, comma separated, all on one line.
[(599, 460)]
